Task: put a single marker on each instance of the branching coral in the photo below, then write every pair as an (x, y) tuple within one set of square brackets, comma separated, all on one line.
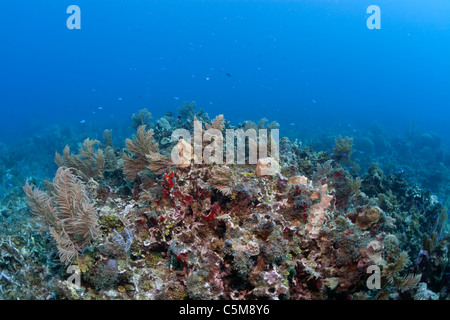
[(391, 270), (107, 137), (218, 123), (187, 110), (343, 150), (67, 213), (408, 282), (139, 147), (89, 163), (157, 163), (221, 180), (142, 118)]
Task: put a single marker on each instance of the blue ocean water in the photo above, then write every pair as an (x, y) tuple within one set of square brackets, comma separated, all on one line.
[(312, 63)]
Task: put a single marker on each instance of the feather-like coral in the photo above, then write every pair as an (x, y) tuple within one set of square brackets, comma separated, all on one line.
[(218, 123), (343, 149), (157, 163), (142, 118), (392, 270), (89, 163), (221, 180), (139, 147), (67, 213)]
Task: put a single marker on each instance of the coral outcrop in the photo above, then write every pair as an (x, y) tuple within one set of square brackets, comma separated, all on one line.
[(306, 227)]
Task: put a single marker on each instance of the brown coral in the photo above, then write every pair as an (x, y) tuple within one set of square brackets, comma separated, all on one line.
[(221, 180), (107, 137), (67, 213), (368, 217), (218, 123), (89, 163), (157, 163), (139, 147), (343, 150)]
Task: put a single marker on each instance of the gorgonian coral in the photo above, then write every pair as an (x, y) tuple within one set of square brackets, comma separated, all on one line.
[(66, 212)]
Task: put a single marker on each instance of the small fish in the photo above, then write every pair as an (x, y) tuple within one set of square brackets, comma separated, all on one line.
[(10, 184), (176, 98), (314, 101), (228, 75), (292, 124), (100, 108), (210, 102), (120, 99), (83, 121)]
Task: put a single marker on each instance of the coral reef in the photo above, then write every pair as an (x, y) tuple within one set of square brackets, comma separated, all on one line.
[(139, 226)]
